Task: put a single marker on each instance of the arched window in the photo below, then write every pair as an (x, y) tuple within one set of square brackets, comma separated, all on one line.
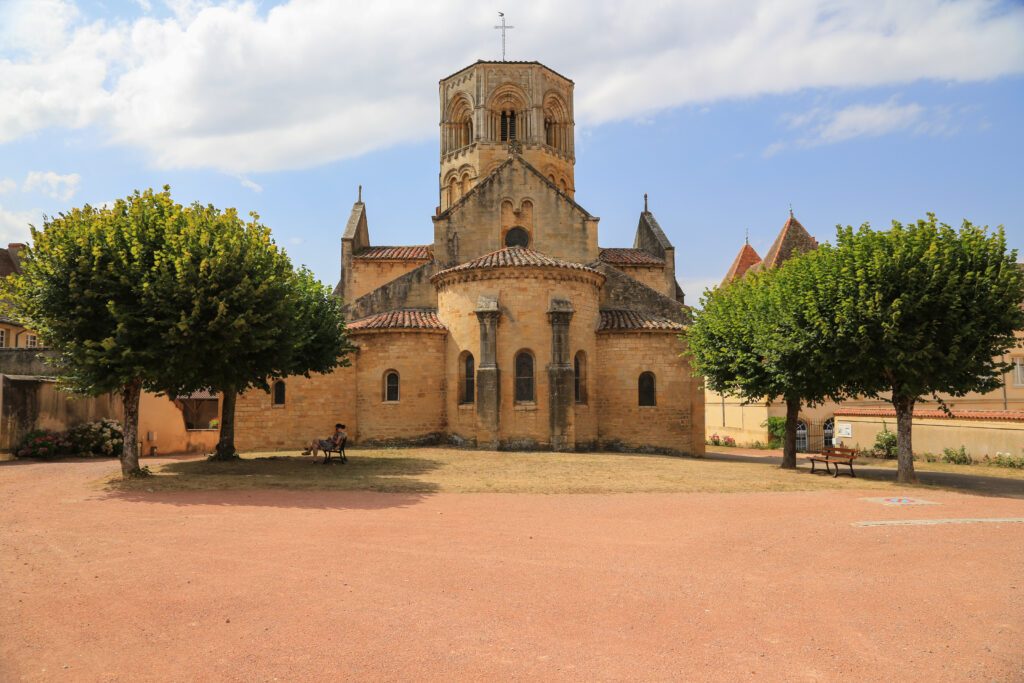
[(465, 183), (564, 185), (391, 386), (828, 431), (467, 387), (508, 126), (579, 377), (517, 237), (452, 190), (524, 376), (279, 392), (645, 386)]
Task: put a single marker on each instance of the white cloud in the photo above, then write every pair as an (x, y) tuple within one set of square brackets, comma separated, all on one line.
[(14, 225), (242, 89), (250, 185), (7, 185), (821, 126), (52, 184)]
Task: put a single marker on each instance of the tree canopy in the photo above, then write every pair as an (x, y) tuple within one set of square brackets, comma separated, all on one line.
[(924, 309), (767, 337), (151, 295)]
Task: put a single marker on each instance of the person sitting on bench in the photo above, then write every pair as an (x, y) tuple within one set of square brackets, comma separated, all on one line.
[(329, 444)]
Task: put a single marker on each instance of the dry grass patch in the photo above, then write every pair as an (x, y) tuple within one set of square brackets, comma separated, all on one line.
[(424, 470)]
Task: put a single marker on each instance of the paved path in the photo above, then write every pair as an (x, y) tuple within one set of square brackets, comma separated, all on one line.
[(972, 483), (283, 585)]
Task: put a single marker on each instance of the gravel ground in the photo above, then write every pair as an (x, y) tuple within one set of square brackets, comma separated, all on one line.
[(291, 585)]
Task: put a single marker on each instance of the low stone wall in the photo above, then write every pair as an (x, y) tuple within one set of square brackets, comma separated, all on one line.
[(932, 435)]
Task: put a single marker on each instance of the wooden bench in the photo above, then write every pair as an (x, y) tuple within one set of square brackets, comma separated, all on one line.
[(340, 450), (834, 455)]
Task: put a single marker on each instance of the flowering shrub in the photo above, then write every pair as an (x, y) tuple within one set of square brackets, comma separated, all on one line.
[(715, 440), (1006, 460), (42, 443), (103, 438), (728, 441)]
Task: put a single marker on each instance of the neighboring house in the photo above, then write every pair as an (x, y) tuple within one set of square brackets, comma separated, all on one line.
[(30, 398), (983, 423), (512, 328)]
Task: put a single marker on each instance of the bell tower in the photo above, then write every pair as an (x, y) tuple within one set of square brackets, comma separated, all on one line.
[(488, 107)]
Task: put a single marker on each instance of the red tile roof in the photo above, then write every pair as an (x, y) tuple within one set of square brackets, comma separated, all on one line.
[(744, 260), (991, 415), (792, 240), (402, 319), (515, 257), (630, 257), (422, 252), (635, 320)]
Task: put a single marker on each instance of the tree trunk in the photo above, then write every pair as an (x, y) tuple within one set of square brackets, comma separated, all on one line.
[(789, 441), (130, 394), (226, 443), (904, 406)]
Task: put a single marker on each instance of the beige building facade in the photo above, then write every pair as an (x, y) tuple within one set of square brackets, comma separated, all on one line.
[(512, 328)]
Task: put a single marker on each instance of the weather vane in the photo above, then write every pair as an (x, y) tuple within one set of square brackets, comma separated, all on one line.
[(503, 28)]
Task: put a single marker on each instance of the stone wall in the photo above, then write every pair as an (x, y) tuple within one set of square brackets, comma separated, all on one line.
[(369, 274), (473, 227), (312, 406), (419, 414), (412, 290), (652, 276), (676, 423)]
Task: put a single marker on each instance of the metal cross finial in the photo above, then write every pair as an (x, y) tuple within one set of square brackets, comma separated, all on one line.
[(360, 200), (748, 236), (791, 209), (504, 27), (645, 202)]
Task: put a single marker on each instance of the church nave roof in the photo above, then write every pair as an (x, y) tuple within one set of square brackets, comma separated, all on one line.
[(515, 257), (619, 256), (636, 320), (401, 319)]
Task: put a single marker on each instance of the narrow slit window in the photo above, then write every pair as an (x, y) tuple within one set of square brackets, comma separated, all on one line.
[(468, 379), (279, 393), (646, 389), (524, 376), (391, 386)]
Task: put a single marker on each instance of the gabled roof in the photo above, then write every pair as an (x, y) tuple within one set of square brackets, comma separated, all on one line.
[(629, 257), (514, 257), (489, 178), (423, 252), (744, 260), (401, 319), (635, 320), (793, 240)]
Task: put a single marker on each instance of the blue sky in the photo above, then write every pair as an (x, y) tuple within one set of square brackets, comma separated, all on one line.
[(726, 117)]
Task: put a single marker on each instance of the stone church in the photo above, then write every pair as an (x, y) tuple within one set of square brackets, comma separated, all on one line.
[(512, 328)]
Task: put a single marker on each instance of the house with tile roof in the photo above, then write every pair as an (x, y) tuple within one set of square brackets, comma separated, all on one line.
[(983, 423), (509, 327)]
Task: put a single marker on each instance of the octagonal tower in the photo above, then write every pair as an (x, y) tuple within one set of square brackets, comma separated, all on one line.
[(488, 106)]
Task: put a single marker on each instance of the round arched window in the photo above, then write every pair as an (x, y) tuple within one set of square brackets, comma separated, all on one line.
[(517, 237)]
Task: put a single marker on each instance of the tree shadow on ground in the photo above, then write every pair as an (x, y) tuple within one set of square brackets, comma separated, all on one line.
[(1001, 487), (291, 482)]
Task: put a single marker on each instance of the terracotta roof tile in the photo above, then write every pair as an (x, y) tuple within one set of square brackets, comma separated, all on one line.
[(744, 260), (515, 257), (422, 252), (635, 320), (402, 319), (792, 240), (630, 257), (991, 415)]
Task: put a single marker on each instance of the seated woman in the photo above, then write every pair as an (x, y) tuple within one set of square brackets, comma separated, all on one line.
[(329, 444)]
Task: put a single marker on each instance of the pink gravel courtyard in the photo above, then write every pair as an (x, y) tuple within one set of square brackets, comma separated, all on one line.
[(264, 585)]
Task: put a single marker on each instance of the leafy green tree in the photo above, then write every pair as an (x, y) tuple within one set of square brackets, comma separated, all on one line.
[(243, 316), (767, 337), (87, 287), (924, 309)]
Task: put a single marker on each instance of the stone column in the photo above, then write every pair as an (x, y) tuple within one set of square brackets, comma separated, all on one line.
[(560, 378), (488, 397)]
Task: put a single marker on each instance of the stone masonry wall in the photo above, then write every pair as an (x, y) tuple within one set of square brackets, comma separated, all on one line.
[(412, 290), (676, 423), (369, 274), (419, 414)]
